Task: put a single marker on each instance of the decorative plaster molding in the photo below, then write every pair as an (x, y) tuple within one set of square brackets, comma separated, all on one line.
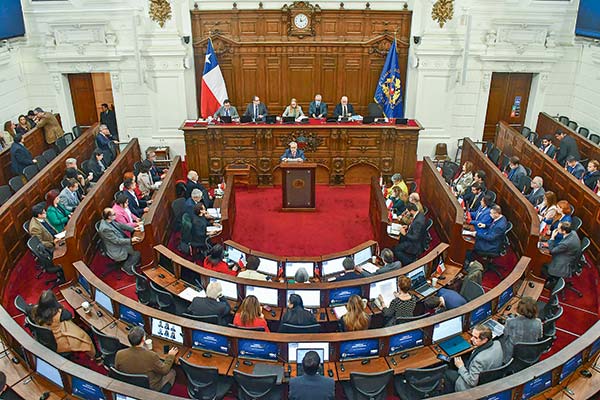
[(56, 82), (115, 78)]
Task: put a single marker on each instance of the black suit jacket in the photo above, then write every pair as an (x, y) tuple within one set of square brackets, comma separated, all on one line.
[(109, 119), (338, 110), (568, 147), (95, 169), (191, 185), (298, 316), (20, 158), (203, 306), (414, 240), (262, 110), (136, 206), (199, 225), (311, 387)]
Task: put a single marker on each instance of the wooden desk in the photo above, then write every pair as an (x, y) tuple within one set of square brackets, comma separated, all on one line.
[(240, 366), (91, 318), (346, 153), (239, 172), (417, 358), (329, 365), (160, 276), (69, 293), (375, 365), (14, 372), (221, 362), (36, 386)]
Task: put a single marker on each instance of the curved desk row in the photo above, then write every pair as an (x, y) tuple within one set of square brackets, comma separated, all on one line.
[(17, 210), (556, 179)]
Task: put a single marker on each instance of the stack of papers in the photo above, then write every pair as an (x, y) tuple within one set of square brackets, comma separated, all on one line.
[(467, 232), (370, 267), (189, 294), (340, 311), (214, 212), (60, 235), (394, 229), (213, 229)]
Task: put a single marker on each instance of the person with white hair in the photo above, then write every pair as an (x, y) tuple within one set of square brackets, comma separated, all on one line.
[(293, 153), (536, 196), (195, 198), (213, 304), (193, 183), (397, 181)]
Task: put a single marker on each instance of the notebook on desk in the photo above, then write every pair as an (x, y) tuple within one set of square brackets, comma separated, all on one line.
[(269, 369), (454, 345)]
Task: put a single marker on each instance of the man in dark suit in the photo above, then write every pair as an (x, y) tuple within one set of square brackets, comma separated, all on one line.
[(387, 256), (41, 228), (194, 183), (97, 165), (474, 201), (108, 118), (212, 304), (575, 168), (343, 109), (311, 386), (468, 196), (517, 171), (565, 254), (412, 238), (119, 247), (136, 206), (103, 142), (352, 271), (293, 153), (256, 110), (317, 109), (567, 147), (20, 157), (536, 195), (139, 360), (195, 198), (491, 238), (227, 110), (156, 172), (547, 147)]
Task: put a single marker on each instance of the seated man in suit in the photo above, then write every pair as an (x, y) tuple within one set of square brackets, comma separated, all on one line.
[(311, 386), (491, 238), (481, 217), (293, 153), (252, 263), (486, 356), (41, 228), (592, 176), (547, 147), (256, 110), (193, 183), (227, 110), (343, 109), (412, 238), (212, 304), (477, 193), (195, 198), (351, 271), (20, 157), (118, 246), (316, 108), (536, 196), (103, 142), (69, 197), (137, 206), (469, 196), (387, 256), (565, 254), (157, 173), (567, 147), (517, 171), (574, 167), (83, 178), (139, 360)]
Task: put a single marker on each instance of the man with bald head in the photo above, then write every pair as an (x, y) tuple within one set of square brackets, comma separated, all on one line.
[(293, 154), (343, 109)]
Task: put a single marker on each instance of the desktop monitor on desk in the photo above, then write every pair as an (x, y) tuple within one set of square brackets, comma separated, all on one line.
[(167, 331), (229, 288), (364, 255), (310, 298), (257, 349), (505, 395), (293, 349), (291, 267), (119, 396), (505, 297), (362, 348), (406, 341), (130, 316), (537, 385), (333, 266), (235, 255), (570, 366), (85, 285), (264, 295), (268, 266), (342, 295), (49, 372), (210, 341), (447, 328), (481, 313), (84, 390), (104, 301)]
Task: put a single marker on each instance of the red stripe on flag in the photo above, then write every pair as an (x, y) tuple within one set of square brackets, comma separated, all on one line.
[(208, 103)]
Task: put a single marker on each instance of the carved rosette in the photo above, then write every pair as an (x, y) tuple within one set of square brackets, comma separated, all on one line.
[(216, 165), (160, 11), (264, 165), (442, 11), (307, 141), (386, 165)]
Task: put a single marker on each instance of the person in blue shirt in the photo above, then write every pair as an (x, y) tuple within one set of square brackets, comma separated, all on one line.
[(481, 217), (516, 171), (446, 299), (491, 239), (574, 167)]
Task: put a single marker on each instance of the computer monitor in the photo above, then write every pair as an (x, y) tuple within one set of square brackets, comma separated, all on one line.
[(119, 396), (49, 372), (405, 341), (505, 395), (505, 297), (234, 254), (537, 385), (130, 316), (166, 330), (166, 263), (417, 277), (595, 349), (310, 298), (333, 266), (363, 348), (257, 349), (84, 390), (84, 284), (291, 267), (268, 266), (300, 353), (447, 328), (362, 256), (570, 366), (104, 301), (385, 288), (341, 295), (229, 288), (293, 349), (481, 313), (264, 295), (210, 341)]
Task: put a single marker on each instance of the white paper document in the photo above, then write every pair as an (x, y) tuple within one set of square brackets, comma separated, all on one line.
[(189, 294)]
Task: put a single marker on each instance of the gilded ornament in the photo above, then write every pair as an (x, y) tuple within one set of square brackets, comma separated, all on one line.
[(442, 11), (160, 11)]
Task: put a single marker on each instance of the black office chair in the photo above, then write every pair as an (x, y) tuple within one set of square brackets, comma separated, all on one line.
[(576, 269), (204, 383), (142, 289), (26, 227), (49, 155), (140, 380), (489, 146), (494, 155), (488, 258), (248, 328), (575, 223), (44, 261), (367, 386), (525, 131), (563, 119), (583, 131), (527, 354), (85, 166), (167, 302), (15, 183), (44, 336), (209, 319), (114, 266), (109, 345), (471, 290), (449, 170), (547, 310), (594, 138), (68, 138), (40, 162), (76, 131), (573, 125), (412, 187), (256, 387), (30, 171), (527, 169), (533, 138), (290, 328), (494, 374), (136, 167), (492, 195), (178, 207), (61, 144), (420, 383), (549, 325), (375, 110), (5, 193), (504, 161), (524, 184)]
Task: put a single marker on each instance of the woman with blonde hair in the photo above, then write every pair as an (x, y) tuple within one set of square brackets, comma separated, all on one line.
[(465, 179), (356, 319), (8, 136), (548, 209), (250, 314)]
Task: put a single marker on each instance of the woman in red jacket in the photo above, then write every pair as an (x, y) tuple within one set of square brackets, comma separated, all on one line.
[(250, 314), (214, 261)]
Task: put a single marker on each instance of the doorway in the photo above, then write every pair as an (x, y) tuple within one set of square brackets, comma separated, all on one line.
[(88, 93), (509, 96)]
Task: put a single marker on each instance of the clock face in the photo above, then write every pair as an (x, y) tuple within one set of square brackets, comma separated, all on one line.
[(301, 21)]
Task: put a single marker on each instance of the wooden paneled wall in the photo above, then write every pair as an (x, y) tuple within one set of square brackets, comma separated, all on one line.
[(345, 55)]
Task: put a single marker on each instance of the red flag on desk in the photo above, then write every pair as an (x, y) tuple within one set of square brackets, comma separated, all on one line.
[(213, 91)]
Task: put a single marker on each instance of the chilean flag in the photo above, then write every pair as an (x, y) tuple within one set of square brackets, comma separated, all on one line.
[(213, 91)]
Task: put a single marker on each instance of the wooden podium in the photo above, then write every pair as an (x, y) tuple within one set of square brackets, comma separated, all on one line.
[(298, 186)]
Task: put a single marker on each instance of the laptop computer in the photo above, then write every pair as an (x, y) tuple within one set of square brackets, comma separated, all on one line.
[(271, 119), (331, 119), (226, 119), (368, 120), (288, 120), (244, 119), (419, 281), (448, 335), (401, 121), (300, 353)]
